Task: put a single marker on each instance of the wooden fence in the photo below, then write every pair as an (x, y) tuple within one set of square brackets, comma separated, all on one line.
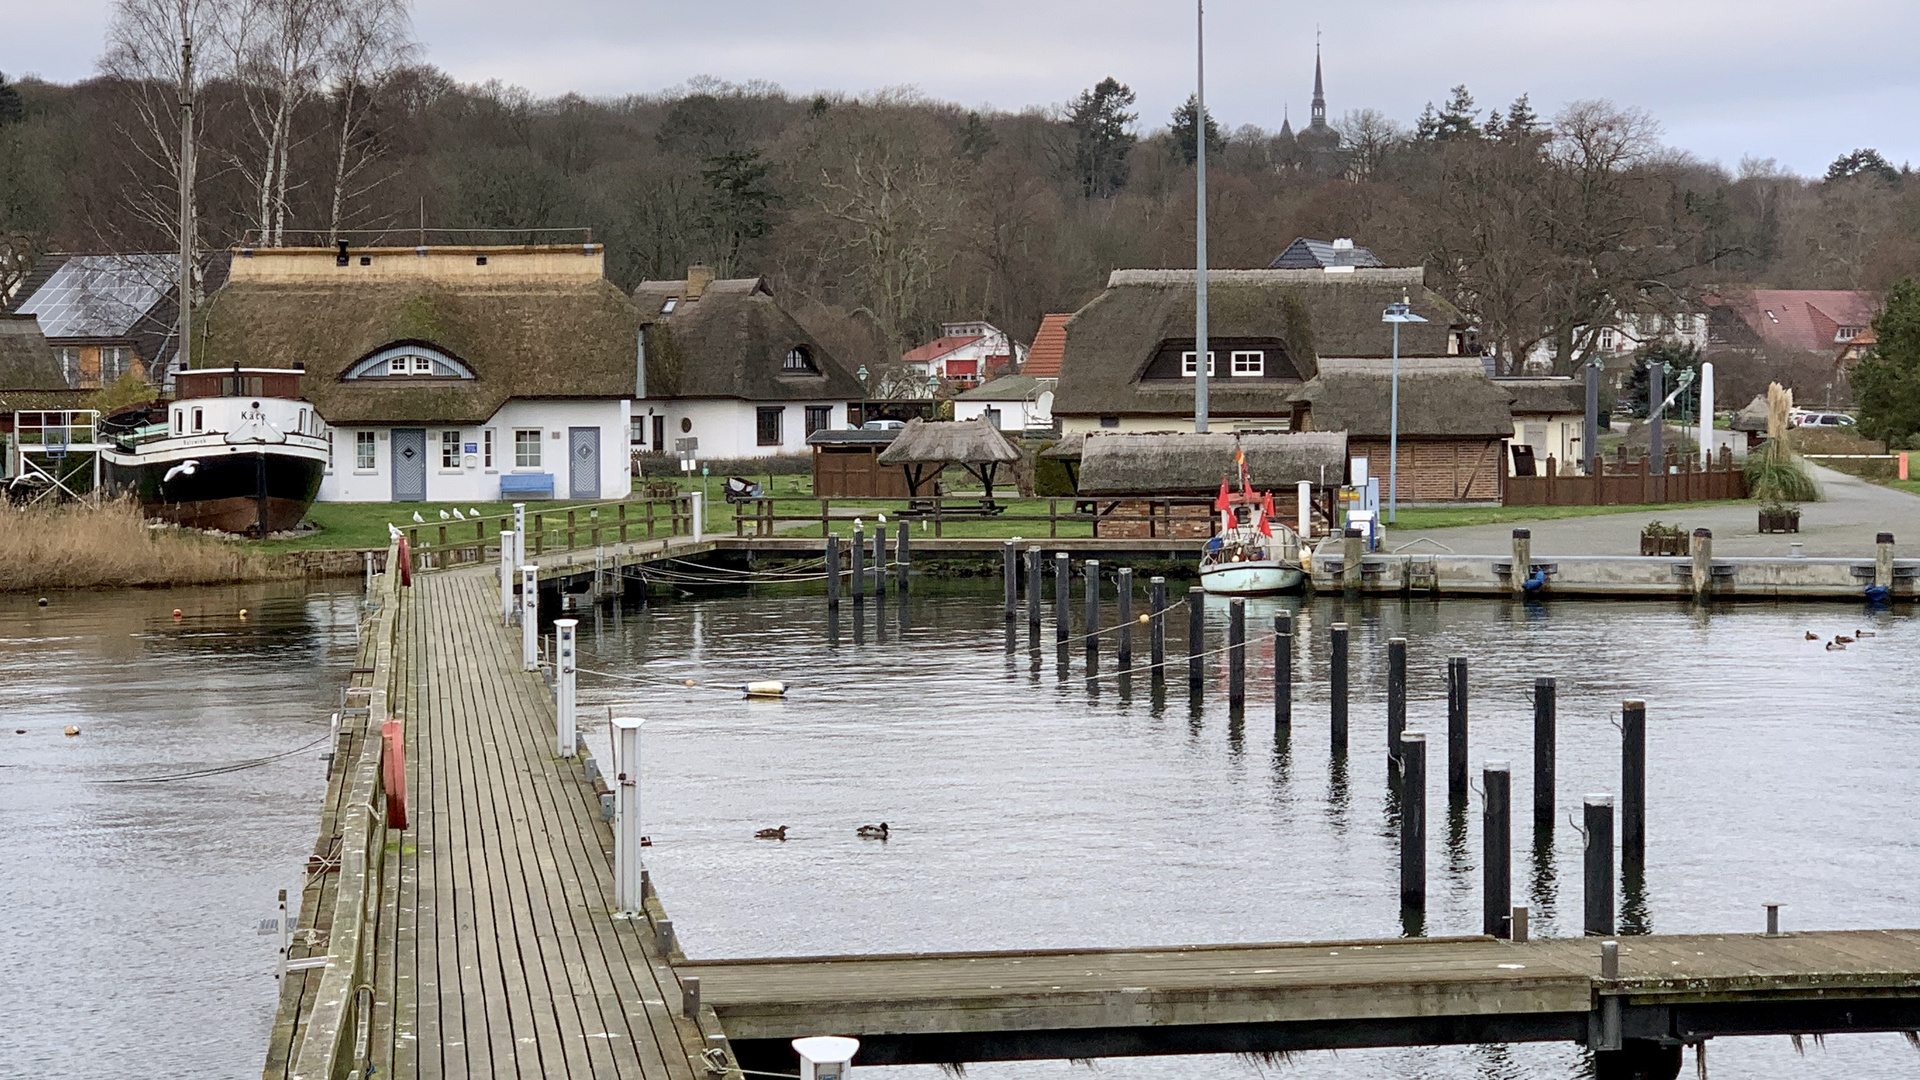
[(1624, 481), (449, 543), (1163, 518)]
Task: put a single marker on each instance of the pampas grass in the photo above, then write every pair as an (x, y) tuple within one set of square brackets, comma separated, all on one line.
[(79, 547)]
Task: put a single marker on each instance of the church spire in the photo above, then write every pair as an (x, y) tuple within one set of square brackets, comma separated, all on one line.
[(1319, 92), (1286, 123)]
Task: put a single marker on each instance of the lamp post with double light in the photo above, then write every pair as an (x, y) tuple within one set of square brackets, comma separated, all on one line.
[(1396, 314), (862, 376)]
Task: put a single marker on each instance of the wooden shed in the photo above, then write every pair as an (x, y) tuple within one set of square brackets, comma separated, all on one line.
[(846, 463), (1454, 423)]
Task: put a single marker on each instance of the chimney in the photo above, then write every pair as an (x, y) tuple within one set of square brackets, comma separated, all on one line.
[(698, 278)]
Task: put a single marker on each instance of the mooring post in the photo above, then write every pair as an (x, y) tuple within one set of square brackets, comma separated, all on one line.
[(1033, 586), (1396, 696), (506, 577), (880, 560), (1090, 573), (1883, 560), (663, 939), (629, 895), (519, 534), (1773, 920), (858, 551), (530, 618), (1009, 572), (1633, 788), (1599, 865), (1237, 653), (1196, 637), (565, 631), (1124, 617), (1456, 730), (1497, 849), (1282, 670), (1522, 560), (366, 560), (1518, 927), (1337, 687), (1062, 597), (1157, 625), (1352, 559), (833, 570), (1702, 563), (690, 996), (1413, 822), (1544, 689), (904, 555)]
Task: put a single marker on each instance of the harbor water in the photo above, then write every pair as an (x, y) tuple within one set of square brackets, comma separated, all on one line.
[(130, 911), (1031, 807)]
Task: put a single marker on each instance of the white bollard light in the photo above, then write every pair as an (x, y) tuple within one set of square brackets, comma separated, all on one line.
[(628, 895), (530, 618), (826, 1057), (1706, 414), (699, 516), (519, 534), (506, 577), (566, 636), (1305, 508)]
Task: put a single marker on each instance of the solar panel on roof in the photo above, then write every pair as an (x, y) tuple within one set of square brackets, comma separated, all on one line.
[(100, 295)]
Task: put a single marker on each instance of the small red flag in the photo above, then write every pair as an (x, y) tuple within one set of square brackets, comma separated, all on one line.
[(1224, 502), (1266, 514)]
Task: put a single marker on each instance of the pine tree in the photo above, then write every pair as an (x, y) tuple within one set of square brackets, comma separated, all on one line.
[(12, 109), (1887, 382), (1182, 131), (1522, 121), (1099, 119), (977, 140)]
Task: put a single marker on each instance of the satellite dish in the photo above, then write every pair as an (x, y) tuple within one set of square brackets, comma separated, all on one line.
[(1044, 402)]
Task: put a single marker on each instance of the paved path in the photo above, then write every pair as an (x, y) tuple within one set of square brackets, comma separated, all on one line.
[(1843, 524)]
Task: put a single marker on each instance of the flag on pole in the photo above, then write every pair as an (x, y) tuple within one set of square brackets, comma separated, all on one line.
[(1225, 501), (1266, 514)]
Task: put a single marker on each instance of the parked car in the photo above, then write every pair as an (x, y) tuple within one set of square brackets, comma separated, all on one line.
[(885, 425), (1826, 420)]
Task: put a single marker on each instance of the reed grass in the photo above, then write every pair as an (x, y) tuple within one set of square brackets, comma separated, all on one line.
[(111, 546)]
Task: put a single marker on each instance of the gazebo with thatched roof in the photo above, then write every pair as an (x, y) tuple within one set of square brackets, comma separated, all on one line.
[(923, 448)]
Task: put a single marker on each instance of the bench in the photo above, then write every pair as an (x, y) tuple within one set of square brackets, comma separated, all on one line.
[(526, 486)]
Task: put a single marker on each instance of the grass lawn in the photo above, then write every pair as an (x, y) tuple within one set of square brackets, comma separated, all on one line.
[(1911, 487), (1446, 517)]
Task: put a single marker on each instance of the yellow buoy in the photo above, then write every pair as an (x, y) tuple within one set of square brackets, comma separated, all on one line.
[(73, 731), (769, 688), (243, 613)]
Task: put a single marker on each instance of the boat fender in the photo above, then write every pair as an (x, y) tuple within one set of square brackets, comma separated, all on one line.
[(1877, 594), (768, 689), (1535, 581)]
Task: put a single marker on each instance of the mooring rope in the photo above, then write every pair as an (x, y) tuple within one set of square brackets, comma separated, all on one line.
[(217, 770)]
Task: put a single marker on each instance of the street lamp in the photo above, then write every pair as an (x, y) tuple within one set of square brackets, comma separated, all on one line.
[(1396, 314), (862, 376)]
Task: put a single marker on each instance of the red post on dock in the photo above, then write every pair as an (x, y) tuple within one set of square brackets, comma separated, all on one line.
[(393, 763), (406, 563)]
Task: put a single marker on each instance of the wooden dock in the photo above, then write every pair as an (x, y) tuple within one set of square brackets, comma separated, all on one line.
[(492, 948)]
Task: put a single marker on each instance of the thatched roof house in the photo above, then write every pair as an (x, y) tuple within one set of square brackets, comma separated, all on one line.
[(1128, 362), (730, 338), (26, 360), (1113, 464), (1453, 431), (1549, 421)]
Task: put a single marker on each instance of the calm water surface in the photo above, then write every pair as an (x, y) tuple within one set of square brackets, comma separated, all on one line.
[(128, 911), (1031, 808)]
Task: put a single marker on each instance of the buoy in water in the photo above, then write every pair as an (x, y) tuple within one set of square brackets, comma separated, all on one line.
[(768, 688), (176, 613), (43, 601), (243, 613), (71, 731)]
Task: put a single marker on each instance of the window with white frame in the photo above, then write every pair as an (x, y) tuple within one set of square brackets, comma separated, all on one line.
[(115, 361), (1190, 369), (199, 420), (526, 448), (486, 448), (363, 457), (1253, 362), (450, 449), (1606, 338)]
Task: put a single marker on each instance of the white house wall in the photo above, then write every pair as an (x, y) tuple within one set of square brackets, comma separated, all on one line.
[(729, 427), (1015, 415), (474, 479)]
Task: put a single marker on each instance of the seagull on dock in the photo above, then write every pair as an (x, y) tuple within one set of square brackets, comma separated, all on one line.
[(444, 516), (872, 832), (457, 515), (393, 531), (417, 517), (473, 511)]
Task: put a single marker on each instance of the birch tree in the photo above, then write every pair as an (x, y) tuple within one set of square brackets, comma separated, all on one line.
[(370, 42), (149, 54)]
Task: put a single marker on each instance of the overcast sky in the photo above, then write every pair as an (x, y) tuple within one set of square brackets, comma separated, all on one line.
[(1801, 83)]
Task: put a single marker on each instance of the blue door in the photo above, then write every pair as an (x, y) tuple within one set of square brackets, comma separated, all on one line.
[(583, 463), (409, 464)]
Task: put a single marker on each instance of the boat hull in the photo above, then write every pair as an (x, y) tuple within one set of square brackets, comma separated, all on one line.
[(254, 489), (1250, 578)]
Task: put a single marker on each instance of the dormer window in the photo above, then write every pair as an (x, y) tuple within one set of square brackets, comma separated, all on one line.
[(1848, 333), (667, 308), (799, 361), (408, 362)]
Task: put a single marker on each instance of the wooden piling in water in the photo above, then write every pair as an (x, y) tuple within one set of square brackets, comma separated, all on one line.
[(880, 560), (1237, 653), (1544, 692), (858, 550), (1702, 563), (1396, 696), (1010, 575), (1413, 822), (1337, 687), (904, 558), (1282, 670), (1125, 617), (1090, 574), (1062, 598), (833, 570), (1196, 638), (1157, 625), (1522, 567), (1633, 788), (1599, 865), (1033, 586), (1883, 560), (1456, 730), (1497, 850)]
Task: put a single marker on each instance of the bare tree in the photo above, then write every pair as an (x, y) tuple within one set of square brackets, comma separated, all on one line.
[(275, 52), (1368, 136), (149, 56), (370, 42)]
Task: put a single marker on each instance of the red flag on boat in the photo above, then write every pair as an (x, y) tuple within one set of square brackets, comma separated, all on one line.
[(1225, 501), (1266, 514)]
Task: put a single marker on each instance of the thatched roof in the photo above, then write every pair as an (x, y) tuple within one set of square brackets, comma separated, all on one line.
[(1753, 417), (1116, 335), (1187, 464), (1068, 448), (523, 338), (729, 339), (26, 360), (1440, 397), (1546, 395), (966, 442)]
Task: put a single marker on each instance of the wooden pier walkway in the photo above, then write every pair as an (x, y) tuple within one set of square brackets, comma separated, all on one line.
[(494, 947)]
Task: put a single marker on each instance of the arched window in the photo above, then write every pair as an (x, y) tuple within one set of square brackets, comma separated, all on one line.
[(799, 361), (409, 361)]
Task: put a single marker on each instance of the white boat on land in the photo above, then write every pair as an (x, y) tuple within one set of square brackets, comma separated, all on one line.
[(1252, 554)]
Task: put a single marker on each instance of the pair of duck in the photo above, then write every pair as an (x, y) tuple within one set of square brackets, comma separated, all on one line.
[(1841, 641), (864, 832)]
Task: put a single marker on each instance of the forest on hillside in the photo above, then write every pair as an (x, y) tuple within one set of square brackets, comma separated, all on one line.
[(878, 216)]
